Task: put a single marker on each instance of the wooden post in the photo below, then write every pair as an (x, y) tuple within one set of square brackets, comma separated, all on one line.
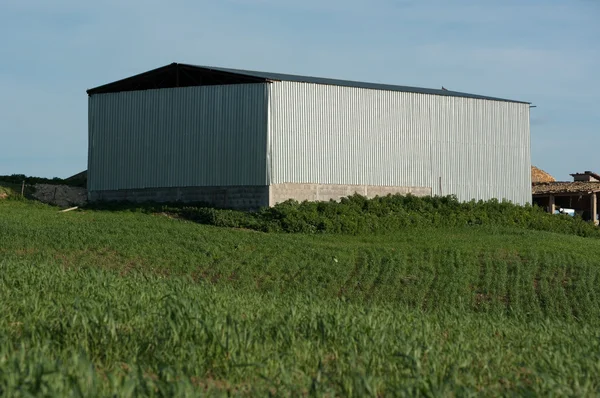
[(23, 189), (551, 205), (594, 207)]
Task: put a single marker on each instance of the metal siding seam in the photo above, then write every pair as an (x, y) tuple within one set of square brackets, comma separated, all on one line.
[(471, 143), (91, 133), (162, 138)]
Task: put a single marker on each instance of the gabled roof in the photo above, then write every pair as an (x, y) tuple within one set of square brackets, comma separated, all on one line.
[(82, 175), (185, 75)]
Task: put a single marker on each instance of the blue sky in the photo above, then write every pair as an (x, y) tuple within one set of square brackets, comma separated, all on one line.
[(545, 52)]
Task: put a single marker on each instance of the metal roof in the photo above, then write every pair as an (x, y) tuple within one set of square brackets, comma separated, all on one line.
[(270, 76), (351, 83)]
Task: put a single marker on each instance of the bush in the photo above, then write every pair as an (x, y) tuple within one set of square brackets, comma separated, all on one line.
[(356, 215)]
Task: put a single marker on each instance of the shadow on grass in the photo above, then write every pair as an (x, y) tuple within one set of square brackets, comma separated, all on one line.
[(357, 215), (198, 212)]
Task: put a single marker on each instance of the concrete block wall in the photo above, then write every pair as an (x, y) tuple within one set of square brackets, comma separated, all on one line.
[(324, 192), (251, 197), (236, 197)]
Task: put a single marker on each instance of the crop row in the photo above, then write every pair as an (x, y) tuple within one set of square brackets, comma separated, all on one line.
[(93, 331)]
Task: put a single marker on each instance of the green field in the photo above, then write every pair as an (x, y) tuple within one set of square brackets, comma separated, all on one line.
[(144, 303)]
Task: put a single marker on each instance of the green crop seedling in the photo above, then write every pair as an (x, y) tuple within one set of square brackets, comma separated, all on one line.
[(395, 296)]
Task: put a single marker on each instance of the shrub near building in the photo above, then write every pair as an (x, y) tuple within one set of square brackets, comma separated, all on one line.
[(358, 215)]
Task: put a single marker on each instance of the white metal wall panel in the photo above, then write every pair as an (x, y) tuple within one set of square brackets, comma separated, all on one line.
[(342, 135), (189, 136)]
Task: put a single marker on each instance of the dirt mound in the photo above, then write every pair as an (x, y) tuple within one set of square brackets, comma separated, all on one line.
[(60, 195)]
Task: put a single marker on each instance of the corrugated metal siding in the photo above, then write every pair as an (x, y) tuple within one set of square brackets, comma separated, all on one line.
[(191, 136), (341, 135)]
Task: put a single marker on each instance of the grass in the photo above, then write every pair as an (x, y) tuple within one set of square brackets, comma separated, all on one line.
[(131, 303), (357, 215), (12, 191), (8, 190)]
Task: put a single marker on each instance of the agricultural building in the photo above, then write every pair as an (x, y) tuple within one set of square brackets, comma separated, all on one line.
[(247, 139), (580, 195)]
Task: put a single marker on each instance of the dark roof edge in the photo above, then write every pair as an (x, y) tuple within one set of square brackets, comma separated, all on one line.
[(351, 83), (267, 76), (91, 91), (238, 72)]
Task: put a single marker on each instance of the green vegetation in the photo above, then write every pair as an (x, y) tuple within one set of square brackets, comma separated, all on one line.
[(12, 191), (140, 302), (17, 179), (5, 192), (11, 186), (393, 213)]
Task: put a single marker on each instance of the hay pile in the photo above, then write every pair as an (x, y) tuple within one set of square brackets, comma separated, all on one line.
[(539, 175)]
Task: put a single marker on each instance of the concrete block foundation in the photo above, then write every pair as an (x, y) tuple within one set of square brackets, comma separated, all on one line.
[(251, 197), (235, 197), (324, 192)]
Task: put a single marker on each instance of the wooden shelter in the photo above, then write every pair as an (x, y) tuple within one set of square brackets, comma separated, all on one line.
[(580, 195)]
